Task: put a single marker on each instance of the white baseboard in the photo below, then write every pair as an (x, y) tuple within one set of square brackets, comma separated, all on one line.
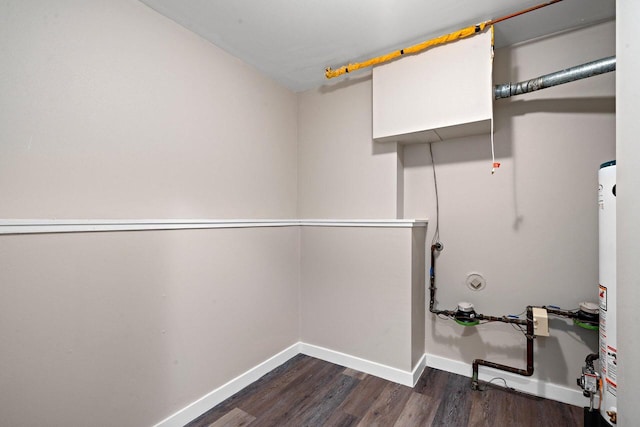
[(524, 384), (208, 401), (419, 369), (409, 378), (202, 405), (373, 368)]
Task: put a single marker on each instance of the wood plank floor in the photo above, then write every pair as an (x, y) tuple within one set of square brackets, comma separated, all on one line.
[(310, 392)]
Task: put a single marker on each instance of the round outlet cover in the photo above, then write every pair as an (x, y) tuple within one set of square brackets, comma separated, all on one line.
[(476, 282)]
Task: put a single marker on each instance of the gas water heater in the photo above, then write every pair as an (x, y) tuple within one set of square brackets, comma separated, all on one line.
[(607, 290)]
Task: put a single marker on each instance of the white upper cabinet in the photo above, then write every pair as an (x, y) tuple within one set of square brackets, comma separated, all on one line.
[(442, 93)]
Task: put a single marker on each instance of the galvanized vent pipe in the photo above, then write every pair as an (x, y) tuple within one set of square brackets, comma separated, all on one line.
[(578, 72)]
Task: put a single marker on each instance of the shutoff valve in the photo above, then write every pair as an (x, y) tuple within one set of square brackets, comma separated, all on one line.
[(588, 381)]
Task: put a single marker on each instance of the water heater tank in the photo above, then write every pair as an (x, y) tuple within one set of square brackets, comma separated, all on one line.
[(607, 289)]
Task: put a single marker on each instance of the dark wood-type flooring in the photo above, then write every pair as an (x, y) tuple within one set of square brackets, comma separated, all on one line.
[(310, 392)]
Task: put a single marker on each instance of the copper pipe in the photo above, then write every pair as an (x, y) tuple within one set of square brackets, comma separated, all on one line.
[(432, 279), (522, 12), (524, 372), (503, 319), (464, 32), (562, 313), (451, 313)]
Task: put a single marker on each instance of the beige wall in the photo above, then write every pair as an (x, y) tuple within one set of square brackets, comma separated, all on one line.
[(130, 327), (530, 229), (342, 173), (109, 110), (357, 293), (628, 206), (418, 302)]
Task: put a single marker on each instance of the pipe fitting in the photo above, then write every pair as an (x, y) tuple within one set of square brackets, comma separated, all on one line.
[(583, 71)]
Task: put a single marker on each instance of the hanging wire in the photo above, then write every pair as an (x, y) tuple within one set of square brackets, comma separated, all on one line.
[(436, 235), (493, 151), (599, 394), (517, 315), (495, 379), (494, 164), (444, 317), (563, 309), (519, 328)]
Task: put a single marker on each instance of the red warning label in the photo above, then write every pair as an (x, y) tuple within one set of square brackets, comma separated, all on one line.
[(602, 294)]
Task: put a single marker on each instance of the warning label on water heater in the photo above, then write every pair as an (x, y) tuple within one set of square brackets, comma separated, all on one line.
[(612, 362), (602, 294), (611, 387), (612, 367)]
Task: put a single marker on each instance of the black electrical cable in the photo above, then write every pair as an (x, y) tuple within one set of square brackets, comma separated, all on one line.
[(519, 328), (436, 234), (486, 384)]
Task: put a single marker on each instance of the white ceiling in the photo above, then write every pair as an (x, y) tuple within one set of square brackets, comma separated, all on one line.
[(293, 41)]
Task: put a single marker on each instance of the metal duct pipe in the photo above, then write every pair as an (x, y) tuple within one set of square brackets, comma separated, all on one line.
[(578, 72)]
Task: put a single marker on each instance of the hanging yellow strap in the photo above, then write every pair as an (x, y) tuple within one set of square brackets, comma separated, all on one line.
[(460, 34)]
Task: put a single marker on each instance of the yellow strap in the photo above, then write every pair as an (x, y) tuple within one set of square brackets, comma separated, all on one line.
[(460, 34)]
